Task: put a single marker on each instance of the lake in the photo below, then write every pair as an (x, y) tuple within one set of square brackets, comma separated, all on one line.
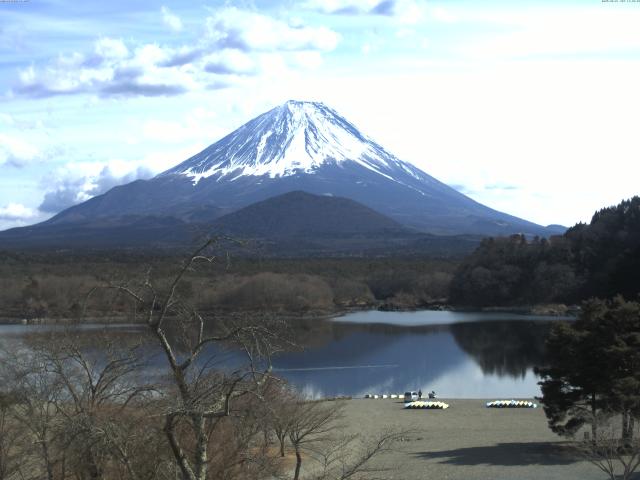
[(457, 354)]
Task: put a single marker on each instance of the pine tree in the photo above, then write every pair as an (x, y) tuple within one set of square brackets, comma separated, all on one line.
[(593, 368)]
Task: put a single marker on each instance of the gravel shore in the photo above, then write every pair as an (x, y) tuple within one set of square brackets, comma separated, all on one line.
[(468, 442)]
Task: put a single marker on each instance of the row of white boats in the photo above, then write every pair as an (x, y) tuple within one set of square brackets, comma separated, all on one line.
[(511, 404), (419, 404), (427, 405), (494, 404)]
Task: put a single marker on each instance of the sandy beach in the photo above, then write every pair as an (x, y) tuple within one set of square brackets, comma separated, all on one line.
[(469, 442)]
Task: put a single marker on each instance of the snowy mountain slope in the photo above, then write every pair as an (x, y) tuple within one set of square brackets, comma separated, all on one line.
[(293, 138), (303, 146)]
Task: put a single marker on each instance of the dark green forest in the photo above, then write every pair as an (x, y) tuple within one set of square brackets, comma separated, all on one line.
[(599, 259)]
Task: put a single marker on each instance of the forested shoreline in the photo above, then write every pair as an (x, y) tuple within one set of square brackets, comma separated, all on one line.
[(600, 259), (55, 287)]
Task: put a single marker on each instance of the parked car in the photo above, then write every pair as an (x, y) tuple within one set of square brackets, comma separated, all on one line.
[(410, 396)]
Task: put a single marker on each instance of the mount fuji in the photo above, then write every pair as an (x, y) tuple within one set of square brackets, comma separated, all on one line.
[(298, 146)]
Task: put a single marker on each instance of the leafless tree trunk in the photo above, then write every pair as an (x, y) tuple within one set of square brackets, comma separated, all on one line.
[(311, 422), (73, 404), (202, 395), (278, 412), (95, 393), (10, 453), (315, 433), (351, 457), (628, 423), (615, 451), (33, 392)]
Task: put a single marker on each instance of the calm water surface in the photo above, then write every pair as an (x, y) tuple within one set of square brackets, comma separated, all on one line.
[(457, 354)]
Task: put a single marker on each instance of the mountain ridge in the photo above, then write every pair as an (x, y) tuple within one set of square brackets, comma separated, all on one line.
[(295, 224), (299, 146), (301, 214)]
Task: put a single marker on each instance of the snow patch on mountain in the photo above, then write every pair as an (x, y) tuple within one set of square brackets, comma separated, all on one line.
[(297, 137)]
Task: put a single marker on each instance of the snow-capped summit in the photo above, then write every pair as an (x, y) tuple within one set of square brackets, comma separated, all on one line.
[(298, 146), (296, 137)]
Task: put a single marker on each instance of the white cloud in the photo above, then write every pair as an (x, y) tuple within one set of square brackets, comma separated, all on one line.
[(17, 152), (17, 211), (78, 182), (111, 70), (111, 48), (231, 62), (18, 215), (250, 31), (407, 11), (74, 183), (170, 19), (237, 43), (346, 7)]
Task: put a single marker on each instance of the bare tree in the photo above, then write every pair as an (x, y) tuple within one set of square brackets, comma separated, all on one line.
[(86, 413), (80, 409), (312, 423), (236, 449), (350, 457), (612, 451), (315, 432), (278, 412), (77, 410), (36, 393), (10, 437), (199, 395), (98, 389)]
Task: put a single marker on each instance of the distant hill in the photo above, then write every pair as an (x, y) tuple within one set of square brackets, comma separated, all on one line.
[(293, 224), (301, 214), (301, 224)]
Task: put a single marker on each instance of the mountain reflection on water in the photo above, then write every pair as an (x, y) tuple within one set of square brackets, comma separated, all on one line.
[(482, 358), (477, 356)]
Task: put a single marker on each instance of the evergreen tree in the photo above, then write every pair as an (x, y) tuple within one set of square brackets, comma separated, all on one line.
[(593, 368), (601, 259), (622, 320)]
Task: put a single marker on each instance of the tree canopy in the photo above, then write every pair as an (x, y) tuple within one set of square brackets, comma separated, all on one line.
[(593, 368), (599, 259)]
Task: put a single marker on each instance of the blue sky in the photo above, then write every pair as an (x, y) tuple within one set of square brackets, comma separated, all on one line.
[(528, 107)]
